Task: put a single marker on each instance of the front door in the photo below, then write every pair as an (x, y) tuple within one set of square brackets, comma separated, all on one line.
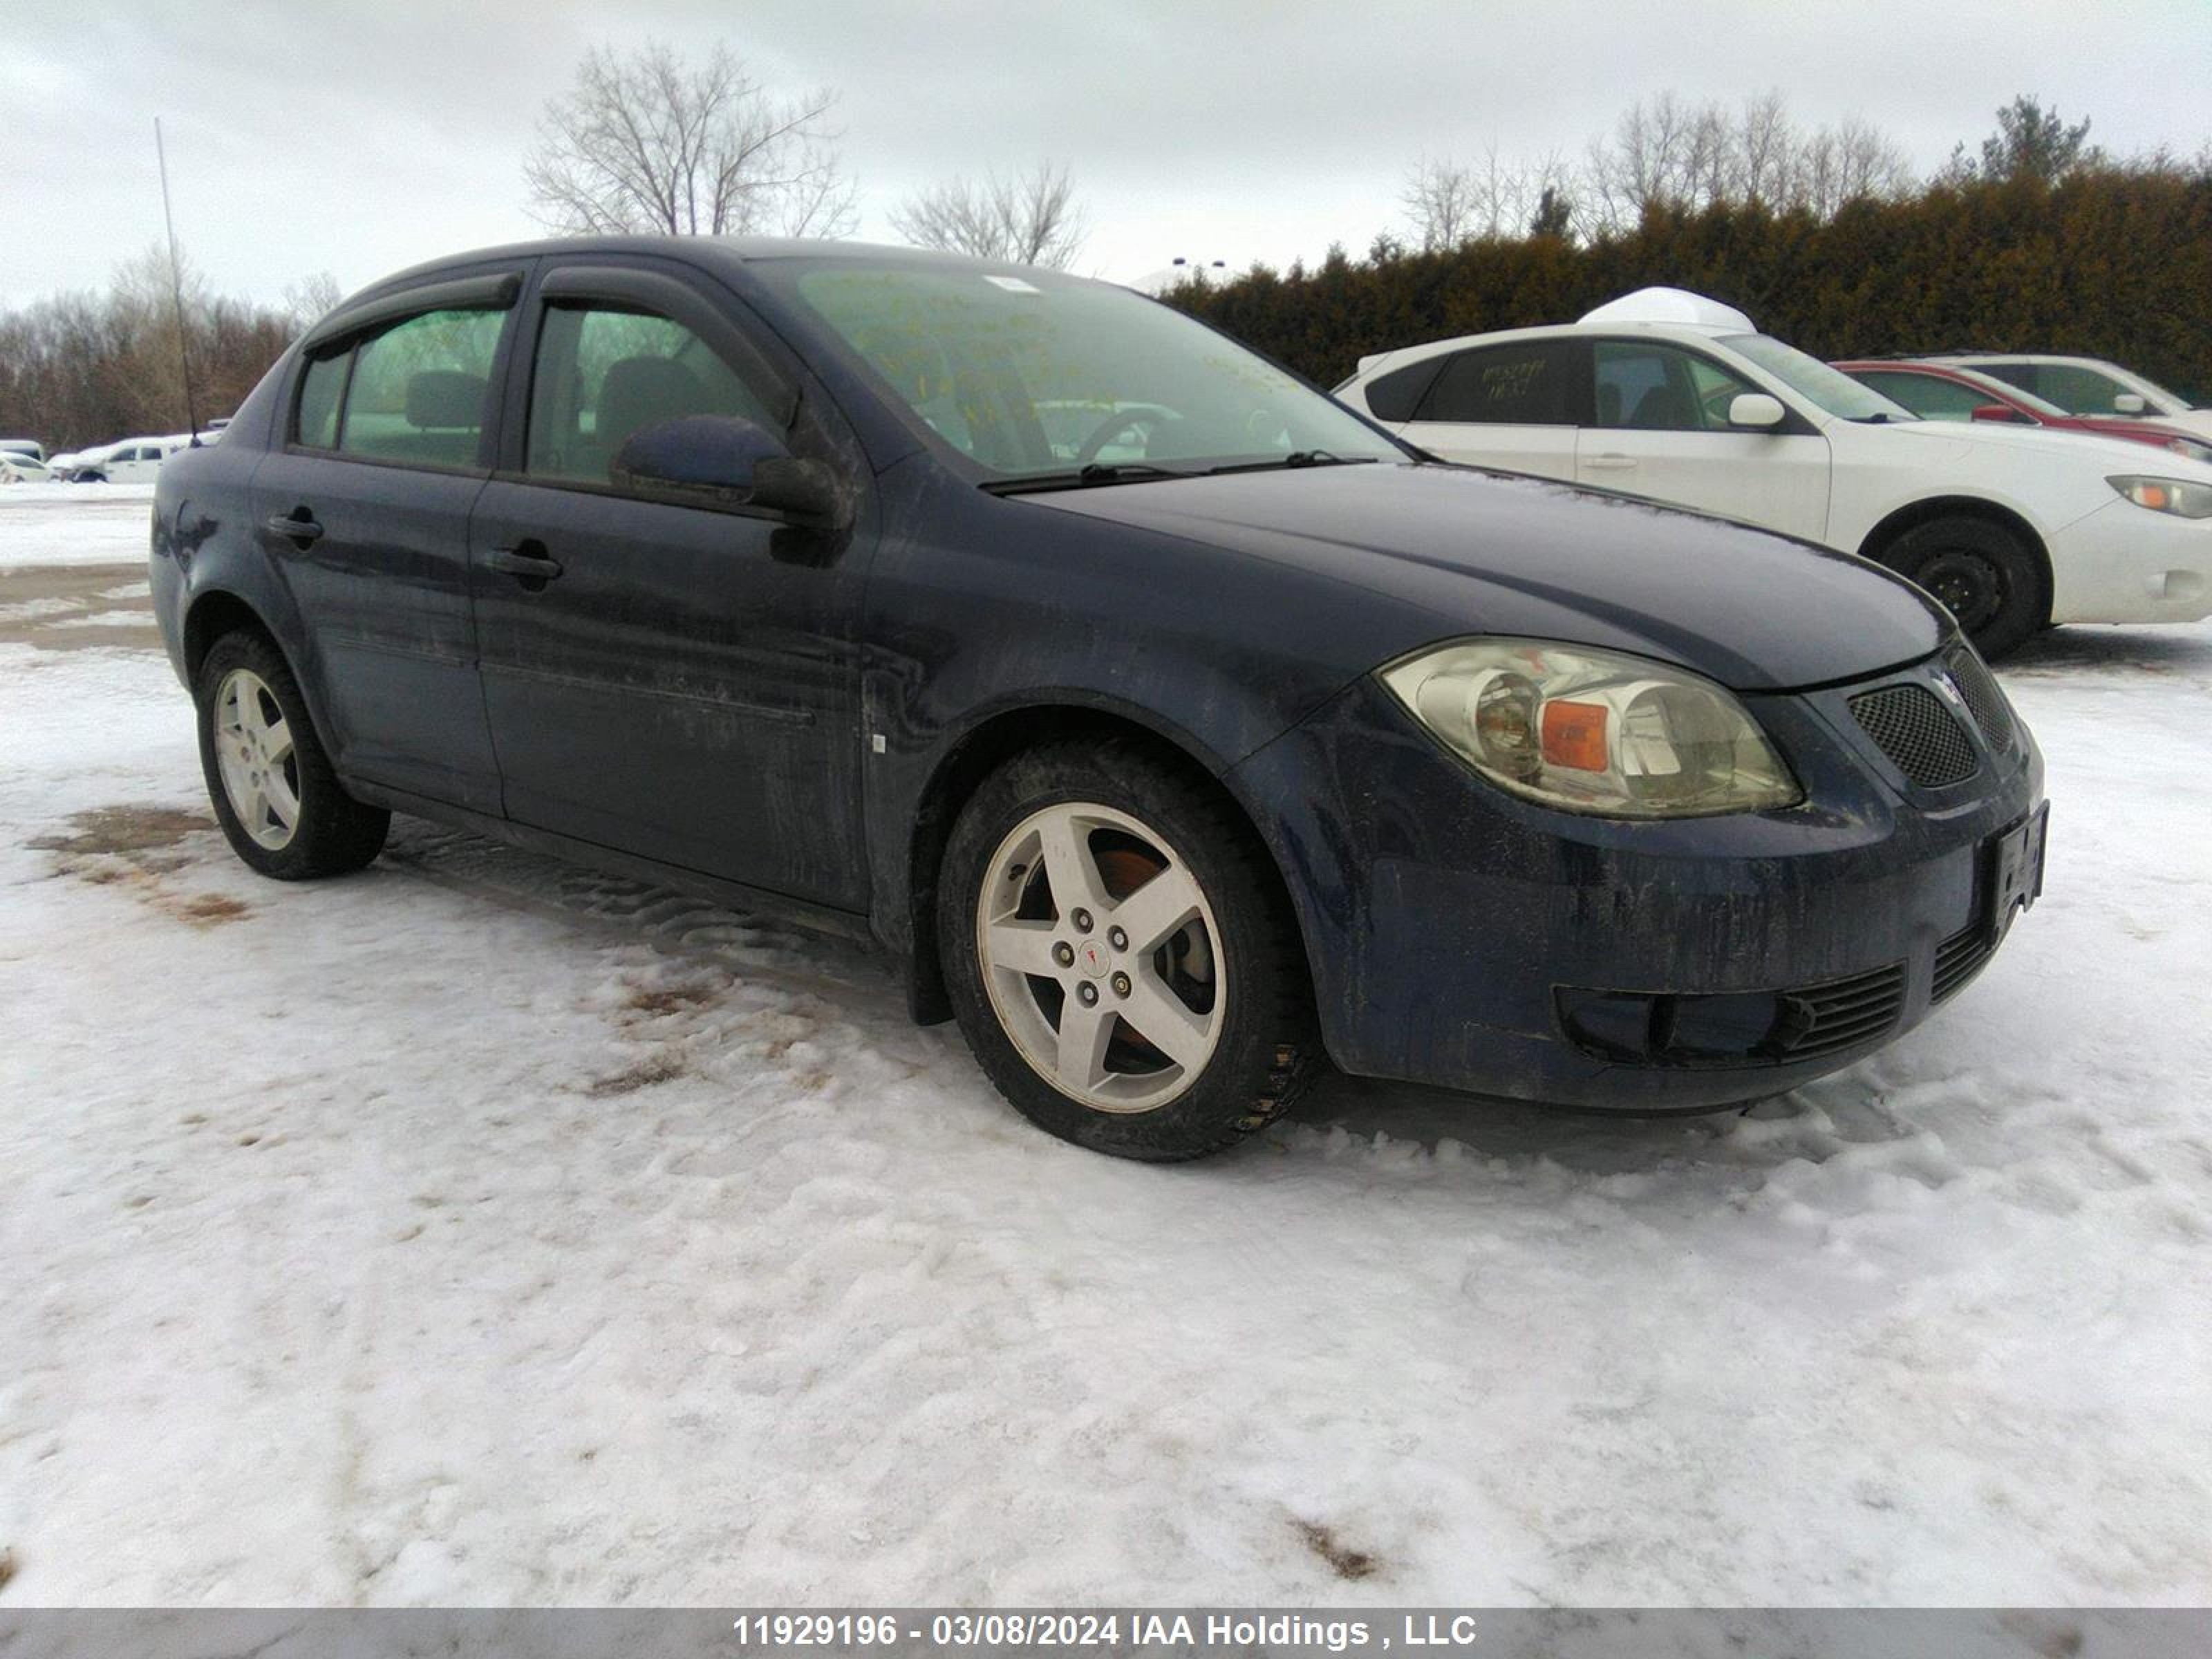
[(1659, 428), (675, 682)]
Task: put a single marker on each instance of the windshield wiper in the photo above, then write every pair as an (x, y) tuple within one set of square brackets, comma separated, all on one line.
[(1084, 478), (1296, 457)]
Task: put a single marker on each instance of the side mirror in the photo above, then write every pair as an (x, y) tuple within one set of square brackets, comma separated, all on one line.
[(2003, 412), (1756, 410), (2129, 402), (723, 461)]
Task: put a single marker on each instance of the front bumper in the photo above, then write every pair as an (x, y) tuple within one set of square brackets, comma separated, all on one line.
[(1456, 932), (2126, 564)]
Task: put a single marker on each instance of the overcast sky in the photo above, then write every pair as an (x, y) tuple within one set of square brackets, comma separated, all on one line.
[(310, 136)]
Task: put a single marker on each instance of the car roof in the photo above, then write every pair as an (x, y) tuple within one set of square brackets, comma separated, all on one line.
[(728, 253), (1687, 333), (1972, 357)]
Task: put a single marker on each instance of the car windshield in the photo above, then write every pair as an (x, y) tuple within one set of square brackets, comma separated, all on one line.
[(1811, 379), (1037, 376)]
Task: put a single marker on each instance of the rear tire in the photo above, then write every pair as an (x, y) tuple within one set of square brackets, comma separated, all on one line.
[(1089, 891), (1989, 580), (272, 786)]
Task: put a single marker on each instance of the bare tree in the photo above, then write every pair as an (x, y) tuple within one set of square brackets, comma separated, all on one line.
[(648, 142), (1447, 203), (1672, 154), (1440, 203), (311, 298), (1031, 218)]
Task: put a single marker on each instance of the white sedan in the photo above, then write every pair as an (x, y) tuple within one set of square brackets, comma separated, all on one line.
[(1678, 398), (2088, 386)]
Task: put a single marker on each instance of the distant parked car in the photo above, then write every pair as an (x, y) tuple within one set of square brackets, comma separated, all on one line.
[(30, 447), (15, 467), (132, 461), (2087, 386), (1950, 392), (1678, 398)]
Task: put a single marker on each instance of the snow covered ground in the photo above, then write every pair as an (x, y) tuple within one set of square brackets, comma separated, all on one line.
[(483, 1229), (67, 524)]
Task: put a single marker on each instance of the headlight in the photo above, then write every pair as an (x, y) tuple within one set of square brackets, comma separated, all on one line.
[(1594, 730), (2179, 496)]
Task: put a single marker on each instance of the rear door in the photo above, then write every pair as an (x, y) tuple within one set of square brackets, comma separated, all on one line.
[(1659, 428), (1515, 406), (365, 507), (672, 681)]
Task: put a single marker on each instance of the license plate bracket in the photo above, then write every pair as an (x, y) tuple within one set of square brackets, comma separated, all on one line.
[(2013, 879)]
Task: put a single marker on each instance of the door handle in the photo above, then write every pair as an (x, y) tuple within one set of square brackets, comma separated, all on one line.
[(1611, 463), (298, 527), (528, 562)]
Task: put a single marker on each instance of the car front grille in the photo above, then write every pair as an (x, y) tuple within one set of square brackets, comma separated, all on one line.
[(1818, 1019), (1959, 958), (1979, 687), (1923, 739)]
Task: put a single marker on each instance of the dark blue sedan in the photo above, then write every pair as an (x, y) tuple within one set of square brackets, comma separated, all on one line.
[(1175, 728)]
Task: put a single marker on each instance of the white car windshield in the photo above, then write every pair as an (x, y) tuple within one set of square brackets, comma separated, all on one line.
[(1813, 380)]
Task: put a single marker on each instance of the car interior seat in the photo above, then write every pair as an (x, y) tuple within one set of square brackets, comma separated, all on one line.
[(642, 391)]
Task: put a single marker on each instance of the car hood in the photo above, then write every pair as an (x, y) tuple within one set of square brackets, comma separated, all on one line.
[(2065, 446), (1498, 553)]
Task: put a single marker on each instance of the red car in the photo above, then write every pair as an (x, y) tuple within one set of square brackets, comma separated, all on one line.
[(1940, 391)]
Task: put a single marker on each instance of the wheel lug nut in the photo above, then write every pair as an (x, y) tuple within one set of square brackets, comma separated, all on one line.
[(1064, 954), (1121, 984), (1086, 993), (1082, 919), (1117, 939)]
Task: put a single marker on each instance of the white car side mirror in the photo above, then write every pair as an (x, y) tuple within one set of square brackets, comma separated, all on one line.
[(2129, 403), (1756, 409)]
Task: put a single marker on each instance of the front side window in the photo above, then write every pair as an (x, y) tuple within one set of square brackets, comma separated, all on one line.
[(2087, 391), (1523, 384), (603, 373), (1648, 387), (419, 391), (1036, 375)]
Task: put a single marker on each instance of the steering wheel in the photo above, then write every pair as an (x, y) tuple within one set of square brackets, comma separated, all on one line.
[(1121, 420)]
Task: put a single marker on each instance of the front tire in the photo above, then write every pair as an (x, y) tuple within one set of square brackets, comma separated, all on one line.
[(1121, 956), (1989, 580), (271, 784)]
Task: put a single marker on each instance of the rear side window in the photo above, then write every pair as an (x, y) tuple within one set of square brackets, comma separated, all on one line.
[(1395, 396), (1526, 385), (320, 389), (603, 373), (417, 392)]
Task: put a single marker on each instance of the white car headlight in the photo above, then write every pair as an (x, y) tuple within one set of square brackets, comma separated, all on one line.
[(2179, 496), (1591, 731)]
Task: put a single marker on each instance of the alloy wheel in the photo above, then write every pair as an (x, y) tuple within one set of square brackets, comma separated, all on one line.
[(1101, 956), (253, 750)]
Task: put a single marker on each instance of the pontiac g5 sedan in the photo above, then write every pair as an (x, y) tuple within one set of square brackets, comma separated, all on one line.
[(1172, 749)]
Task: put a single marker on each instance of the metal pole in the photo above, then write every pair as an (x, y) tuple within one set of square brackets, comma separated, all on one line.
[(176, 284)]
